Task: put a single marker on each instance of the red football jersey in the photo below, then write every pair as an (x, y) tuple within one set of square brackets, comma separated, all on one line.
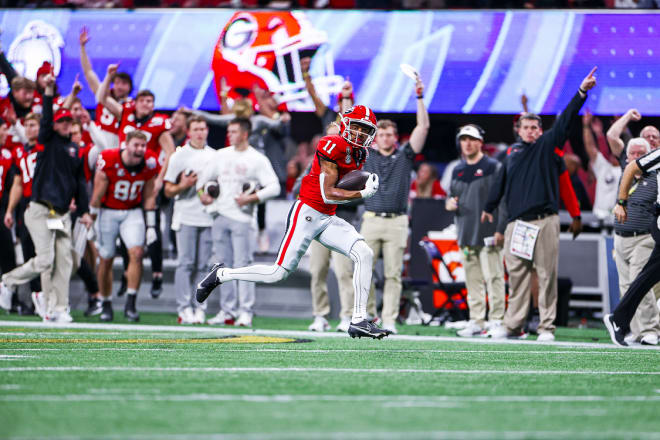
[(38, 103), (153, 127), (26, 160), (83, 153), (334, 149), (125, 187), (106, 121), (6, 161)]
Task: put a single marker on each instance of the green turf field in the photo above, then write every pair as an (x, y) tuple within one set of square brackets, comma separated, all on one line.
[(153, 381)]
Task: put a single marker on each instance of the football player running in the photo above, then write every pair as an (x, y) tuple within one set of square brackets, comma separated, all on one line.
[(124, 177), (312, 218)]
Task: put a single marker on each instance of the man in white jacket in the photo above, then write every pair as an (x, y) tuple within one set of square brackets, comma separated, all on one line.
[(246, 178)]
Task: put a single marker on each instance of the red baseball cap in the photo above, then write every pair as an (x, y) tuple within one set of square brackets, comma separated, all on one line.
[(45, 69), (62, 113)]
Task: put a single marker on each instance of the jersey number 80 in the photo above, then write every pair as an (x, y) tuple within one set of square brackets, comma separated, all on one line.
[(124, 190)]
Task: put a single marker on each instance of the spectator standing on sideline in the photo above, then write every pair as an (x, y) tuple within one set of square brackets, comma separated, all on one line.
[(427, 185), (58, 178), (190, 221), (650, 133), (233, 213), (607, 172), (618, 323), (385, 221), (529, 182), (481, 243)]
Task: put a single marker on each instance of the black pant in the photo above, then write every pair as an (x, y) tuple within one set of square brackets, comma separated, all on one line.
[(88, 277), (7, 256), (647, 278)]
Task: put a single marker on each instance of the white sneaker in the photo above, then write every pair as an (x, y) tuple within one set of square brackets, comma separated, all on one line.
[(545, 337), (5, 296), (320, 324), (391, 328), (456, 325), (498, 332), (59, 318), (199, 316), (651, 339), (630, 338), (493, 323), (39, 302), (472, 329), (222, 318), (244, 320), (186, 316), (344, 324)]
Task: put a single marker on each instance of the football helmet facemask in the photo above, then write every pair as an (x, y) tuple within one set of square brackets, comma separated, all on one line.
[(358, 126)]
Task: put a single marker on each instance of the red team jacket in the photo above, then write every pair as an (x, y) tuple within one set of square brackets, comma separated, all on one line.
[(125, 187), (336, 150), (6, 161)]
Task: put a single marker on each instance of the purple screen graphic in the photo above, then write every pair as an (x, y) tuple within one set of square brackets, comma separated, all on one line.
[(471, 62)]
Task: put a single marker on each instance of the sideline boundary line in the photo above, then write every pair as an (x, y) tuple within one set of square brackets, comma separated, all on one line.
[(305, 334)]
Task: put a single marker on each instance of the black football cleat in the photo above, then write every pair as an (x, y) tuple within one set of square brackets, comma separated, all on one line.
[(106, 311), (616, 333), (156, 287), (95, 307), (129, 309), (210, 282), (122, 287), (367, 329)]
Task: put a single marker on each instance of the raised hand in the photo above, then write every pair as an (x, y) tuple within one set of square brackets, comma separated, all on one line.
[(635, 115), (112, 69), (83, 38), (77, 86), (589, 82), (305, 63)]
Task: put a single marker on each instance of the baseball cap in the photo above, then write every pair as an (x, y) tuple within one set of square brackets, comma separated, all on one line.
[(62, 113), (471, 131)]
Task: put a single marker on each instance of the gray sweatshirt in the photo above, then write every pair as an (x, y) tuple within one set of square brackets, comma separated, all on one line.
[(471, 184)]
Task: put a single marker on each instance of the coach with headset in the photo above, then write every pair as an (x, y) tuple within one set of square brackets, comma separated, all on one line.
[(530, 186), (481, 243)]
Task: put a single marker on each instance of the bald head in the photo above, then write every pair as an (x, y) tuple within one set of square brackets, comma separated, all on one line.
[(652, 136)]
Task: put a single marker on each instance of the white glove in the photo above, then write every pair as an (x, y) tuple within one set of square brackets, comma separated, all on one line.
[(151, 235), (370, 187)]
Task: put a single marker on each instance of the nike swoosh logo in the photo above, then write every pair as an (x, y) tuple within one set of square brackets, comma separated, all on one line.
[(616, 327)]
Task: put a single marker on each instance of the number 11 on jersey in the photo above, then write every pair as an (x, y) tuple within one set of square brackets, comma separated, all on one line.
[(329, 146)]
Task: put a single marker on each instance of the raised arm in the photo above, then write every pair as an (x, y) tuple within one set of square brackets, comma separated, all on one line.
[(212, 119), (421, 130), (614, 133), (103, 93), (86, 64), (562, 126), (319, 106), (46, 123), (588, 137), (6, 68), (75, 89)]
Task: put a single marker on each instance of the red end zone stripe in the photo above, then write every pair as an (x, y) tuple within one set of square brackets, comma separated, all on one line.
[(288, 239)]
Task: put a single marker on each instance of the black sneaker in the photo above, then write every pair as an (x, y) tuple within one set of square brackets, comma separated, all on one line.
[(616, 333), (106, 311), (368, 329), (129, 309), (122, 286), (94, 307), (156, 287), (210, 282)]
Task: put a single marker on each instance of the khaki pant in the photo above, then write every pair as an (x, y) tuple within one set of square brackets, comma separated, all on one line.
[(343, 267), (630, 256), (53, 260), (545, 261), (389, 236), (483, 264)]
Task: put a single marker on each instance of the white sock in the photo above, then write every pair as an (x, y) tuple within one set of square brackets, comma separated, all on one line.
[(363, 260), (131, 291), (259, 273)]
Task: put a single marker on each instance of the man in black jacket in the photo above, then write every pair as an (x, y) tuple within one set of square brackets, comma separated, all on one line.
[(58, 178), (529, 183)]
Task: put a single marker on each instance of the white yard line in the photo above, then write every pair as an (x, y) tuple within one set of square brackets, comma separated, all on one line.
[(137, 369), (248, 349), (417, 435), (119, 395), (299, 334)]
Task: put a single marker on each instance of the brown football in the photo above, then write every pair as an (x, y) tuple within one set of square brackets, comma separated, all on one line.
[(353, 181), (212, 188)]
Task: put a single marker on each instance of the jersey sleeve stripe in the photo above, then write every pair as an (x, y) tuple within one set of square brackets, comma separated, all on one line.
[(649, 162), (324, 157)]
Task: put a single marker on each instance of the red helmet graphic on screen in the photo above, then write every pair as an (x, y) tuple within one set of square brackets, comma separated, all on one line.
[(264, 49)]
